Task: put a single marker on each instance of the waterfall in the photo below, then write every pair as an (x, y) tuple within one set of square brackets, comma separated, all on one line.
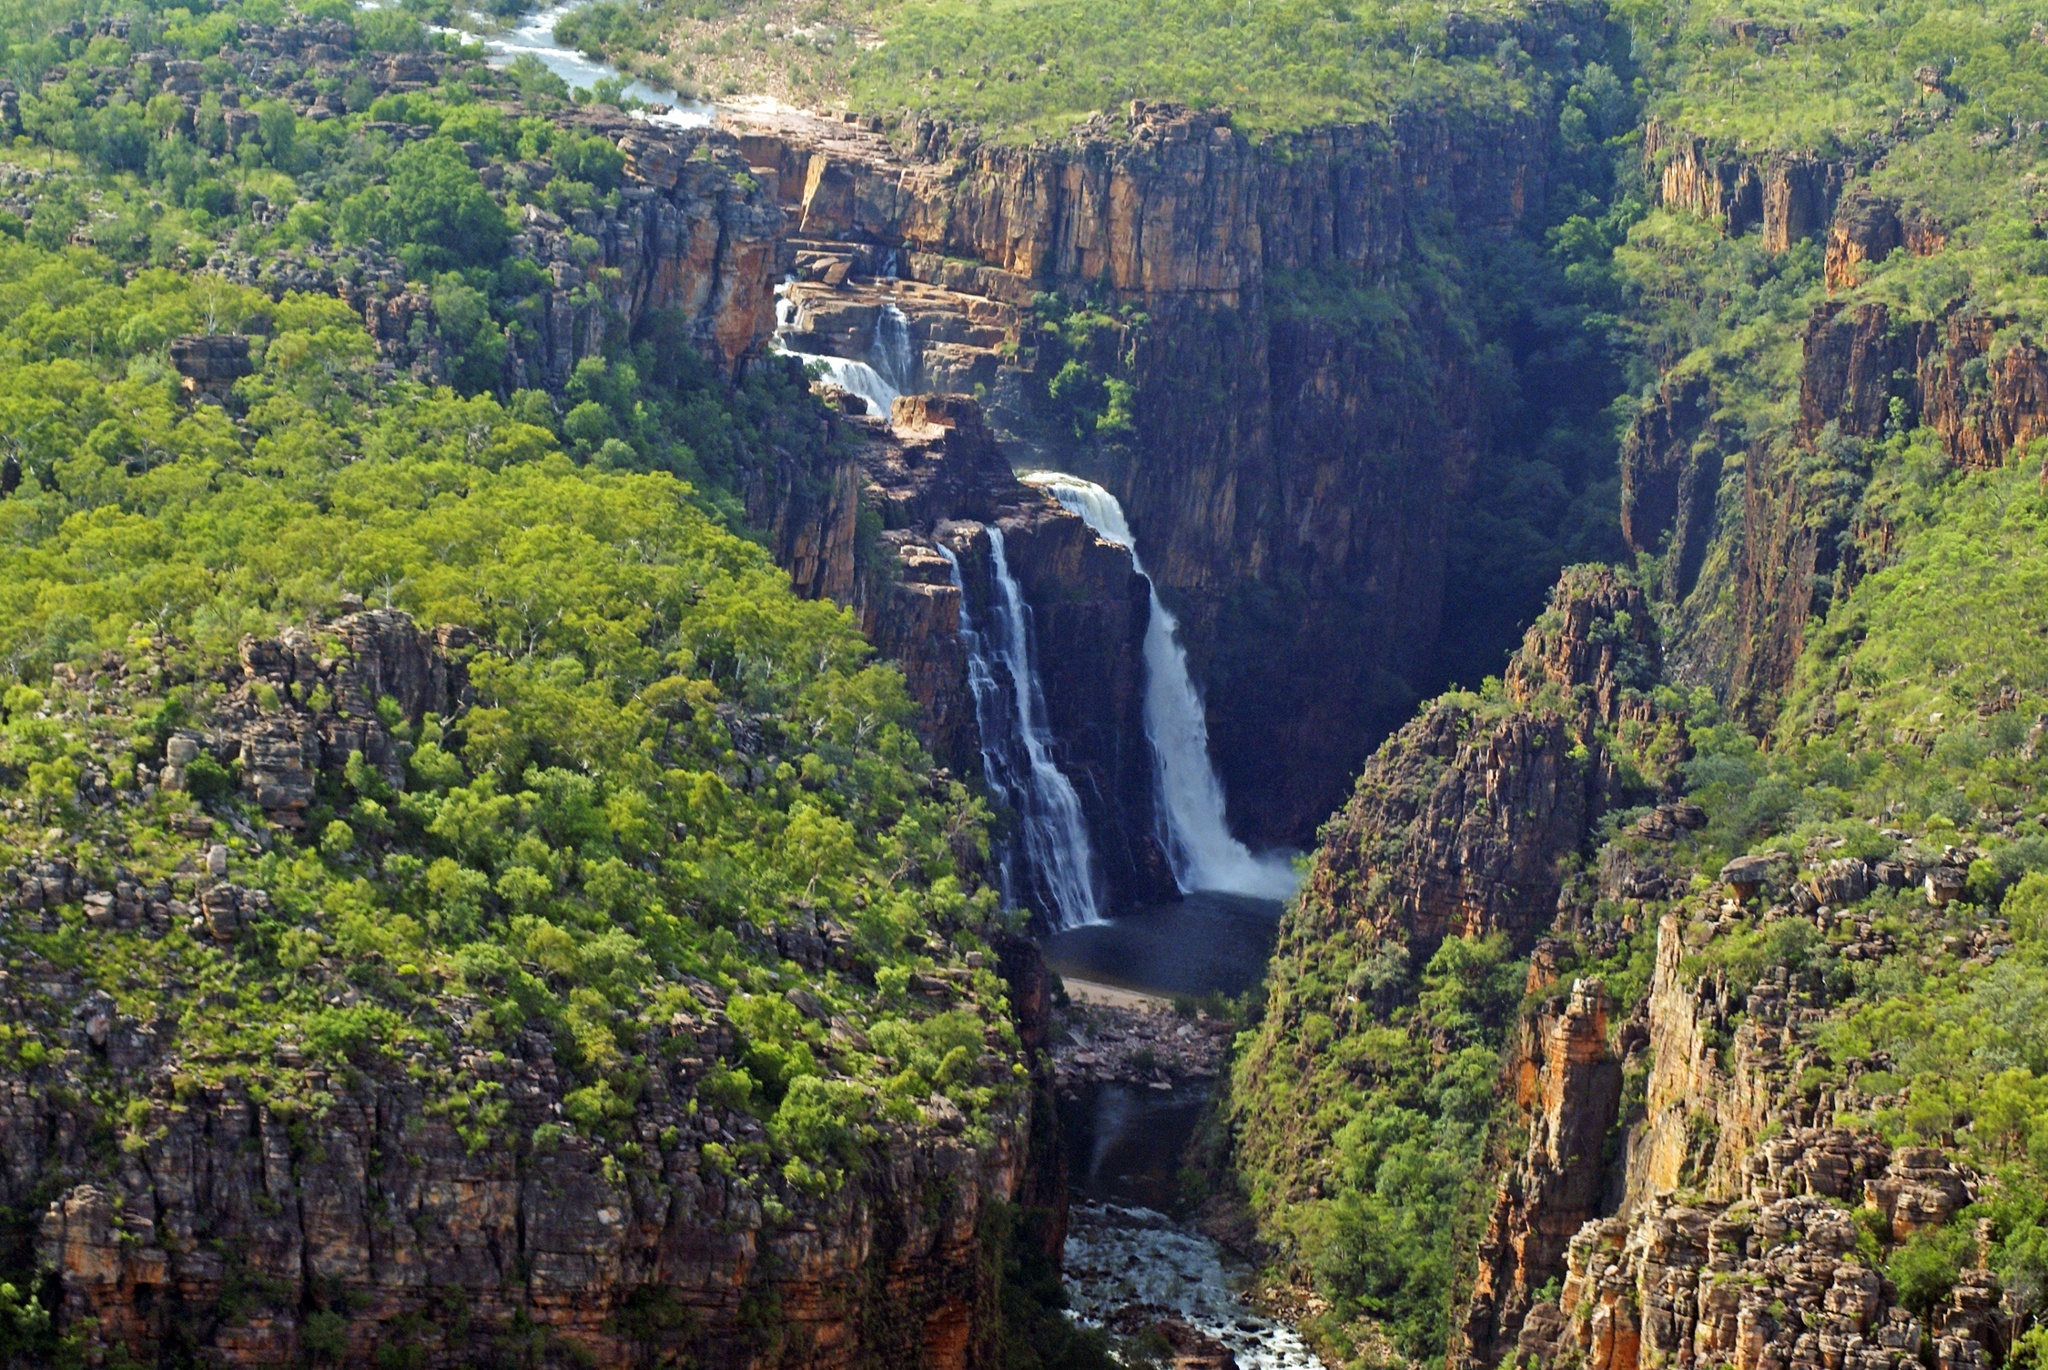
[(1199, 845), (1016, 749), (893, 354), (855, 377)]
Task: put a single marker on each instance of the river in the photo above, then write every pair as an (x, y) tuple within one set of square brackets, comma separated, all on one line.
[(1127, 1261), (534, 36)]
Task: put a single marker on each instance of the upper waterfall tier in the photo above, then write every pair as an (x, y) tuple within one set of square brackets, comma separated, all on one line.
[(1191, 804), (891, 348)]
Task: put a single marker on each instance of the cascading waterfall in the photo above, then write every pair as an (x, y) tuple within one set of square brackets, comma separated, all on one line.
[(1199, 844), (893, 354), (1016, 749), (855, 377)]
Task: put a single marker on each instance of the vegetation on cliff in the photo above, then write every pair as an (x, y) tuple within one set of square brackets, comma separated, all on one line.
[(1363, 1099), (668, 757), (656, 878)]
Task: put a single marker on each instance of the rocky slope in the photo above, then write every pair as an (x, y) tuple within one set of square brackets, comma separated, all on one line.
[(1709, 1141), (1391, 994)]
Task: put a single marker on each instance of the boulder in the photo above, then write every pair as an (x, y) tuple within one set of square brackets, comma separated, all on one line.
[(1746, 874), (1944, 885)]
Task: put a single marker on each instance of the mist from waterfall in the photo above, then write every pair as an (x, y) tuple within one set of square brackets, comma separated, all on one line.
[(1016, 749), (1203, 853)]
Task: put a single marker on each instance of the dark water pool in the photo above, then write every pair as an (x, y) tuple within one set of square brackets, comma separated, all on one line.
[(1205, 942), (1124, 1144)]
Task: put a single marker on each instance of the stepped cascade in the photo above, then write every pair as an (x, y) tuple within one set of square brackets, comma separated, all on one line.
[(1016, 752), (1197, 836), (892, 346)]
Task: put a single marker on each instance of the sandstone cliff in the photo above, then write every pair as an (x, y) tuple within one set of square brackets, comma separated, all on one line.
[(1468, 823), (1734, 1238), (1311, 616), (1797, 541)]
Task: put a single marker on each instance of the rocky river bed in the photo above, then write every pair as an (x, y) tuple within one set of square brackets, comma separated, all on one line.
[(1134, 1074), (1130, 1269)]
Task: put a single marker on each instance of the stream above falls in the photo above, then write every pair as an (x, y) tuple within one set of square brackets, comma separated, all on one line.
[(534, 36)]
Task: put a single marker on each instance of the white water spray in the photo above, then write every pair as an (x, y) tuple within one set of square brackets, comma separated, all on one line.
[(1016, 746), (855, 377), (1199, 845)]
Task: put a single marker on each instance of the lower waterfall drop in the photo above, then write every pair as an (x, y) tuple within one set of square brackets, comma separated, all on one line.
[(1199, 844), (1016, 748)]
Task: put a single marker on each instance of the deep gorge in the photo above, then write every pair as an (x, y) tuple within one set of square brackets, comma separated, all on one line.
[(471, 899)]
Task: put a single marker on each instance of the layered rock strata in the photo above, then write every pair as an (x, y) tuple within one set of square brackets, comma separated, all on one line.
[(1716, 1224), (1484, 805)]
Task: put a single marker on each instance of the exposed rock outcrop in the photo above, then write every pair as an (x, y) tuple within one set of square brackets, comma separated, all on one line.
[(689, 250), (1461, 819), (328, 1201), (312, 698), (1771, 1276), (1869, 228), (1670, 474), (375, 1224), (1568, 1087), (1864, 372), (1790, 196)]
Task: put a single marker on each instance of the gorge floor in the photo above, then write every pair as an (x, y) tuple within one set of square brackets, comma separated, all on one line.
[(1129, 1265)]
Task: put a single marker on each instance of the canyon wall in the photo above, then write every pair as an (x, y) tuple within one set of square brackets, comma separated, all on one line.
[(1745, 581), (1747, 567), (1468, 822), (1734, 1235), (1290, 468)]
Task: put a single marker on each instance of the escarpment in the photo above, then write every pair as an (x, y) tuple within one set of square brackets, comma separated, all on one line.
[(686, 248), (1707, 1161), (1739, 1231), (1396, 975), (1866, 374), (1787, 197), (1747, 566), (1483, 799), (1567, 1079), (1250, 407)]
